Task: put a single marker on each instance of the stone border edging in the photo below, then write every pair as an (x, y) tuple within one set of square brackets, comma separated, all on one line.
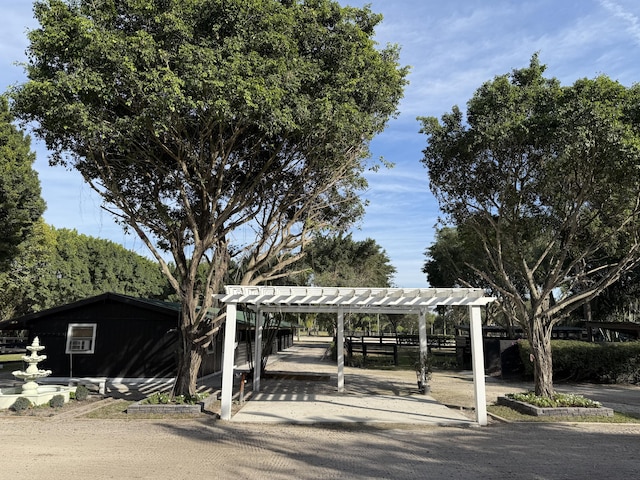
[(165, 409), (529, 409), (171, 409)]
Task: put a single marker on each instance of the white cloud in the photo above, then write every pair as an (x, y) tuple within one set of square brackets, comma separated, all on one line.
[(630, 19)]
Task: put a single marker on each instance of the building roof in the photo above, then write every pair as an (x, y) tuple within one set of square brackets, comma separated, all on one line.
[(145, 303), (150, 304)]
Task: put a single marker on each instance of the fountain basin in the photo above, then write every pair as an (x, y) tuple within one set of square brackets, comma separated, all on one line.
[(41, 396)]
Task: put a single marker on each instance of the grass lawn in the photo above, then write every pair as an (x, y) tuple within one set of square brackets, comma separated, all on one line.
[(10, 362), (11, 357)]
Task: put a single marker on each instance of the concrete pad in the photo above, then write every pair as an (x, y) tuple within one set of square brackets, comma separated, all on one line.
[(346, 408)]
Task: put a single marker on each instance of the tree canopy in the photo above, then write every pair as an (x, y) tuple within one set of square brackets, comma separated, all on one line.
[(20, 202), (340, 261), (212, 128), (453, 258), (547, 178), (58, 266)]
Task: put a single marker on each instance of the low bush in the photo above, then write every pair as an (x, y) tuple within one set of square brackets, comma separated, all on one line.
[(578, 361), (557, 400), (57, 401), (21, 404), (160, 398), (81, 393), (190, 399)]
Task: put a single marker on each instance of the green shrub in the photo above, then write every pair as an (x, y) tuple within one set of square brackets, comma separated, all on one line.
[(557, 400), (82, 393), (158, 398), (57, 401), (578, 361), (198, 397), (21, 403)]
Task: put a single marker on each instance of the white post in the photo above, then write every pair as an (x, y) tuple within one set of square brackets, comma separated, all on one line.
[(422, 333), (477, 362), (228, 362), (257, 361), (340, 349)]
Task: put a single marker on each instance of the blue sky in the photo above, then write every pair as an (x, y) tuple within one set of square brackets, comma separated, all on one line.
[(452, 47)]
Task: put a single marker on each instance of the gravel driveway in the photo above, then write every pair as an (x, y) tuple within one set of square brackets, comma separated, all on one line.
[(206, 448), (63, 447)]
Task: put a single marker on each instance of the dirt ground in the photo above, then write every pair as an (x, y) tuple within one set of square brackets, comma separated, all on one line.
[(79, 447), (69, 444)]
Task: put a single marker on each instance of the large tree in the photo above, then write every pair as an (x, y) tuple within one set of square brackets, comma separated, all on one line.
[(547, 178), (212, 128), (58, 266), (20, 202), (19, 284), (453, 258), (340, 261)]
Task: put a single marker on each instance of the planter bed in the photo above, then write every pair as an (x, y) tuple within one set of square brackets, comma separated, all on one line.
[(165, 409), (529, 409), (172, 408)]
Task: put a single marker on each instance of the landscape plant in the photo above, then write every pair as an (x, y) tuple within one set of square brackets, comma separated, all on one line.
[(21, 208), (213, 129), (162, 398), (578, 361), (544, 181), (21, 404), (556, 400), (58, 266), (81, 393), (20, 202), (57, 401)]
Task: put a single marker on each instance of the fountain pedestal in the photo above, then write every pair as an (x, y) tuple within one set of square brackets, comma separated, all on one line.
[(32, 372), (36, 394)]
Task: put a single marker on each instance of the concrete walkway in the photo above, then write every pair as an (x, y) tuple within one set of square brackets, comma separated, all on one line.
[(300, 387)]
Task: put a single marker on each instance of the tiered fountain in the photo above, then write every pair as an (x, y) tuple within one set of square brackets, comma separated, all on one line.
[(36, 394)]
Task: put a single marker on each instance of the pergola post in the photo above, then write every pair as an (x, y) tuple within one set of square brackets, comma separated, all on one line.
[(477, 362), (228, 362), (340, 349), (257, 361), (422, 334)]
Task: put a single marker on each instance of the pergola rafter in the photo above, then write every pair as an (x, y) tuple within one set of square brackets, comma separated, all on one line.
[(341, 300)]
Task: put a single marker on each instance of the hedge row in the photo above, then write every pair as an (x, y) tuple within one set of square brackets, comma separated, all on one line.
[(589, 362)]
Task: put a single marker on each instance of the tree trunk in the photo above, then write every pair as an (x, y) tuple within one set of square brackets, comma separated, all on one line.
[(196, 330), (189, 362), (543, 363)]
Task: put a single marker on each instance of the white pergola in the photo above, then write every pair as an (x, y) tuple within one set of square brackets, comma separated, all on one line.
[(341, 300)]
